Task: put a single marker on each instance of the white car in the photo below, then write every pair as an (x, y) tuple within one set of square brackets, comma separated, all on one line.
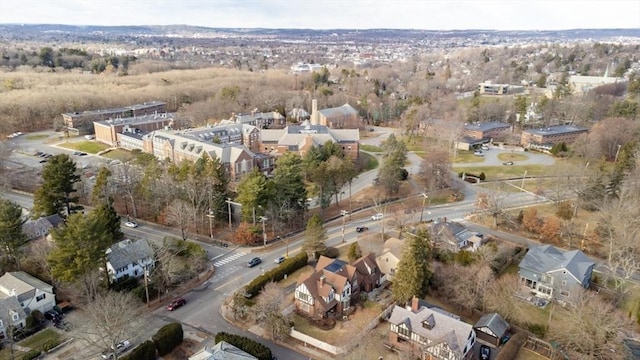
[(377, 217), (131, 224)]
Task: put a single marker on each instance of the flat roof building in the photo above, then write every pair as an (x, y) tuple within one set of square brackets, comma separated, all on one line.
[(81, 123), (550, 136)]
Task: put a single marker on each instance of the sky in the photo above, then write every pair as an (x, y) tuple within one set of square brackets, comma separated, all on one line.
[(332, 14)]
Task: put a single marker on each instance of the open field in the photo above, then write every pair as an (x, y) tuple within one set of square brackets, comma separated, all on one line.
[(90, 147)]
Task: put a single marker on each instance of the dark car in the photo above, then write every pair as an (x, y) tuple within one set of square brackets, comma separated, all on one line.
[(253, 262), (485, 352), (53, 316), (176, 303), (361, 228)]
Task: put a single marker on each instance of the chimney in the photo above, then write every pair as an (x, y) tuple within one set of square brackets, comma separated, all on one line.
[(415, 304), (322, 280), (13, 292)]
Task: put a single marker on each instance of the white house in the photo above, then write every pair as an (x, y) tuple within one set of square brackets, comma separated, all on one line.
[(31, 293), (11, 314), (129, 258), (222, 350)]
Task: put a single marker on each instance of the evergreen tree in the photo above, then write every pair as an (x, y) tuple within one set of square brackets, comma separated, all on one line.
[(354, 252), (252, 194), (315, 236), (59, 177), (100, 192), (11, 235), (413, 275), (394, 157), (107, 220), (288, 190)]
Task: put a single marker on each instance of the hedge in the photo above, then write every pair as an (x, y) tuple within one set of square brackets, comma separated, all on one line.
[(245, 344), (276, 274), (50, 344), (32, 354), (144, 351), (167, 338), (512, 347)]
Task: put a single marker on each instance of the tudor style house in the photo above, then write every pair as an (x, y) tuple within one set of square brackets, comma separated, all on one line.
[(430, 333), (129, 258), (552, 273), (335, 286)]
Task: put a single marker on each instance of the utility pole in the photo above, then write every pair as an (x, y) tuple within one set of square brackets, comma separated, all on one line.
[(424, 200), (264, 230), (229, 202), (344, 217)]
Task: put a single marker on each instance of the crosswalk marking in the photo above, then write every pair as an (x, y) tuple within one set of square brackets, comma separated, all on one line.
[(228, 259)]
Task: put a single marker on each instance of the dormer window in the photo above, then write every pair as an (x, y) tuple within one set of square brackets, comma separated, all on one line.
[(429, 323)]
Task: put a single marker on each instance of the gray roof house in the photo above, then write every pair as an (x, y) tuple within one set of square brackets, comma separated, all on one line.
[(30, 292), (11, 313), (491, 328), (454, 236), (41, 227), (552, 273), (430, 333), (222, 351), (129, 258)]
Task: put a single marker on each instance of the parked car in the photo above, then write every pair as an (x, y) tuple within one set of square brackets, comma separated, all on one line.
[(377, 217), (478, 153), (176, 303), (253, 262), (507, 163), (53, 315), (485, 352), (131, 224), (89, 137), (361, 228), (280, 259), (119, 349)]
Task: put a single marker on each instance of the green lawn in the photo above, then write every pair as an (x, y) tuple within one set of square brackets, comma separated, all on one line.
[(370, 161), (512, 157), (90, 147), (505, 172), (468, 157), (370, 148), (33, 342), (119, 154), (36, 137)]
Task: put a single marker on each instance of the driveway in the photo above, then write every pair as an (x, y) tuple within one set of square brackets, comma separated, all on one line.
[(491, 158)]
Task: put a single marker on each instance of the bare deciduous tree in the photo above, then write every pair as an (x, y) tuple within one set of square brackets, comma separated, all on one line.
[(179, 214), (268, 311)]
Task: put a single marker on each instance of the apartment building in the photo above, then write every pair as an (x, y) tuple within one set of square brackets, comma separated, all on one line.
[(487, 130), (81, 123), (551, 135), (109, 131)]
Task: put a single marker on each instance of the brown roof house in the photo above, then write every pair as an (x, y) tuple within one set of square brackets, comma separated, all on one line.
[(335, 286), (390, 258), (430, 332)]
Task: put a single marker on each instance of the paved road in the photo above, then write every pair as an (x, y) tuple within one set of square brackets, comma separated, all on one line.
[(491, 158)]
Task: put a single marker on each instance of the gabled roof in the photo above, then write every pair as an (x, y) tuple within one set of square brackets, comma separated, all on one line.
[(10, 306), (194, 146), (546, 258), (344, 110), (222, 351), (458, 231), (447, 330), (24, 285), (494, 322), (41, 226), (128, 252)]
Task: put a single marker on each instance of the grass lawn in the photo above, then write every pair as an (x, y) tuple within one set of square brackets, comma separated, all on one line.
[(90, 147), (512, 157), (505, 172), (33, 342), (370, 148), (36, 136), (370, 161), (526, 354), (500, 186), (119, 154)]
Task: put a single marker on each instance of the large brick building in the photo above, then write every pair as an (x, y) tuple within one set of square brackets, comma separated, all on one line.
[(81, 123), (551, 135), (487, 130), (109, 131)]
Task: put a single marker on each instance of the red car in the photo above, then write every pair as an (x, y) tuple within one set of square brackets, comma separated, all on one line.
[(176, 303)]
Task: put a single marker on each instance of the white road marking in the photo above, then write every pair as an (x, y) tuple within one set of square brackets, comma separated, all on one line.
[(228, 259)]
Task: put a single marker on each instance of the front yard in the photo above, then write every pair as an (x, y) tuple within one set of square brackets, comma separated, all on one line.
[(33, 342)]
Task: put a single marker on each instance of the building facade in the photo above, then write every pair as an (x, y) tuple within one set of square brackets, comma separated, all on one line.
[(551, 135), (109, 131), (487, 130), (81, 123)]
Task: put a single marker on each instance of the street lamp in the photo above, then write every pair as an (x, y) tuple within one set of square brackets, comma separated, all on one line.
[(264, 230), (344, 217), (424, 200)]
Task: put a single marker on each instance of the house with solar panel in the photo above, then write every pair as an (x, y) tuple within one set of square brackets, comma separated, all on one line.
[(552, 273), (335, 286)]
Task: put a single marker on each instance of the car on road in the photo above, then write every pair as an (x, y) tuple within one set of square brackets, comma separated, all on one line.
[(43, 161), (507, 163), (253, 262), (485, 352), (361, 228), (119, 349), (478, 153), (377, 217), (280, 259), (82, 154), (176, 303), (76, 153), (131, 224)]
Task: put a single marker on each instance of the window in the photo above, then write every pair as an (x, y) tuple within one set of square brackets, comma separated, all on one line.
[(564, 293), (15, 316), (402, 330), (41, 297)]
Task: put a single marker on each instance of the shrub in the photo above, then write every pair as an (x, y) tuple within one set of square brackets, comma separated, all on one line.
[(512, 347), (276, 274), (32, 354), (126, 283), (37, 316), (245, 344), (144, 351), (538, 330), (168, 337), (141, 294), (482, 176), (331, 252), (50, 344)]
